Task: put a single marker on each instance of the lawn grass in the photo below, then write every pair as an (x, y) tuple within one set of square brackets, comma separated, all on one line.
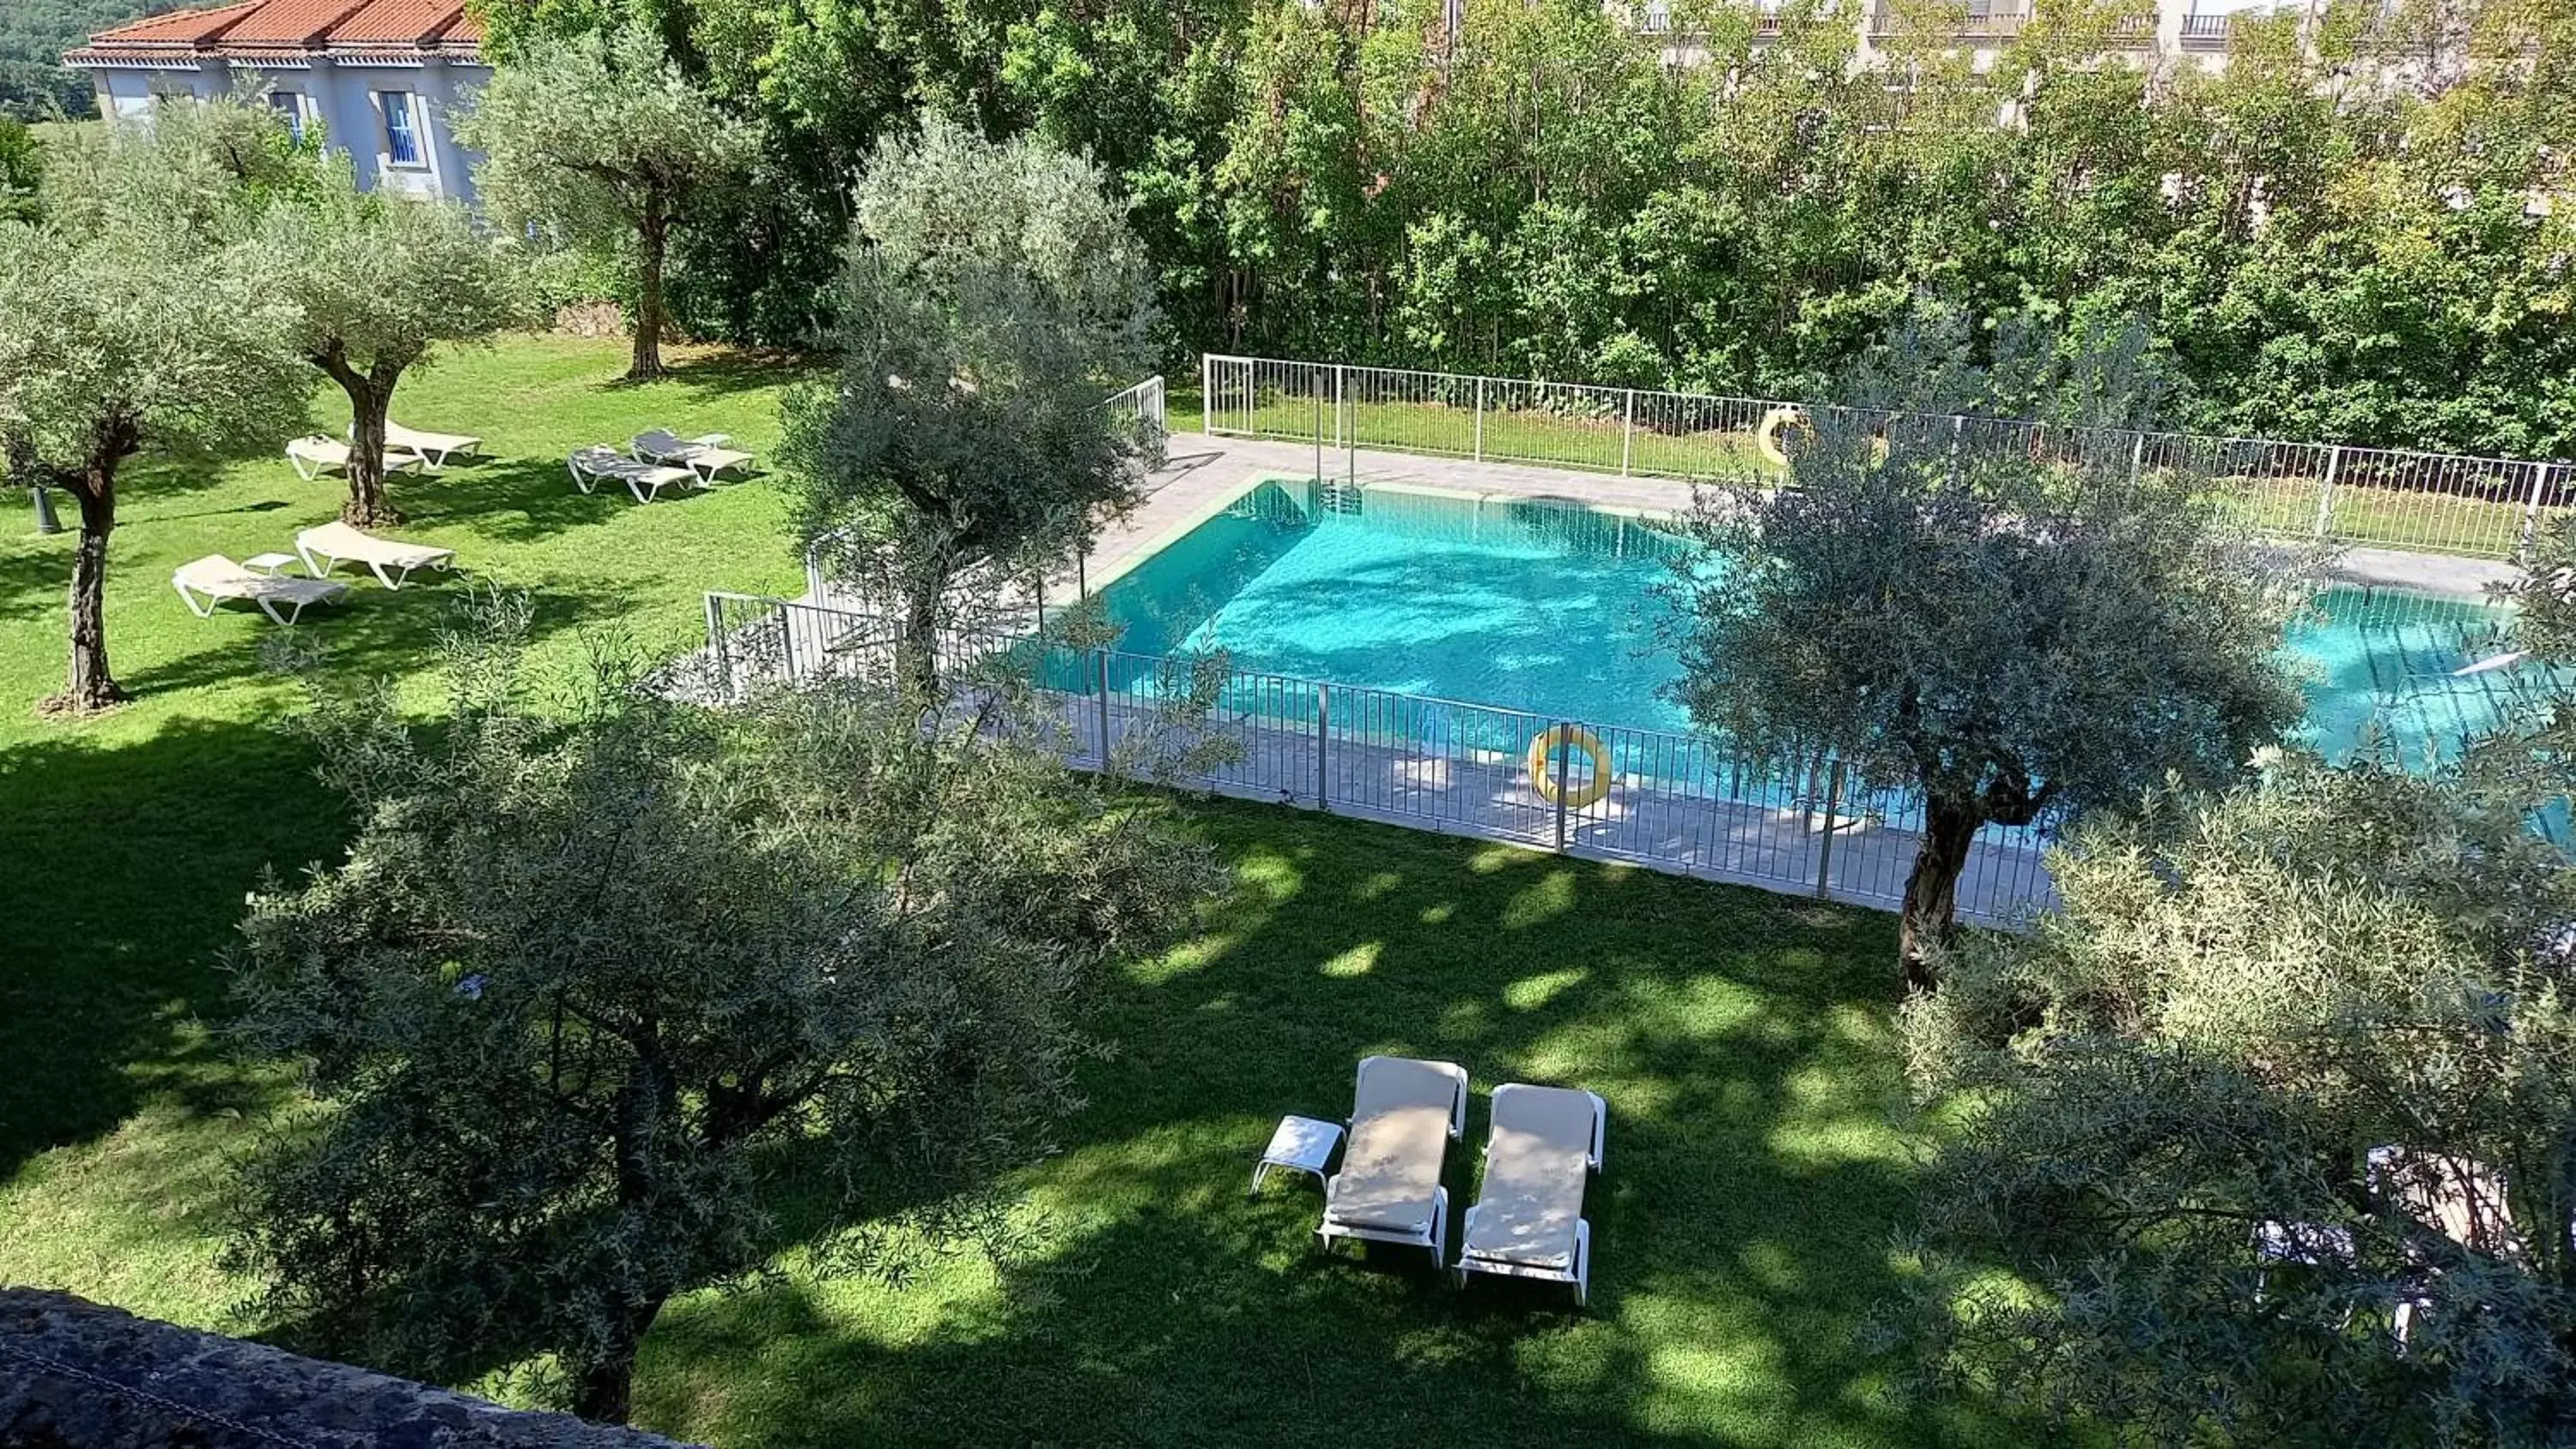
[(1758, 1156), (1589, 444)]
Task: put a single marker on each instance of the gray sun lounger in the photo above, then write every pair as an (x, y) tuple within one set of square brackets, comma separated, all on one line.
[(1528, 1219), (205, 582), (1404, 1114), (645, 480)]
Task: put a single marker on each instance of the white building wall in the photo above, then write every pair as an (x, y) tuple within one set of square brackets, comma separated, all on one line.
[(342, 95)]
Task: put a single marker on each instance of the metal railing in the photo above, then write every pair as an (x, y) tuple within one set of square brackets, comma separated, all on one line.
[(2206, 29), (1673, 802), (2370, 497), (1145, 402)]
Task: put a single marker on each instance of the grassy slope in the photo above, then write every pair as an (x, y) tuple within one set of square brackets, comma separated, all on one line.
[(1743, 1039)]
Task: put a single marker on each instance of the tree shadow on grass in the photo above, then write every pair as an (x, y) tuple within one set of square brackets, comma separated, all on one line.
[(371, 632), (724, 372), (36, 575), (130, 861), (132, 857), (1756, 1172)]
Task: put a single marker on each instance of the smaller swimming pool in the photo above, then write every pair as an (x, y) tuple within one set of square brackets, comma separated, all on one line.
[(1551, 608)]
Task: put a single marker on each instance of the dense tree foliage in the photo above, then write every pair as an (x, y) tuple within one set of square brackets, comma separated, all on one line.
[(2343, 240), (992, 297), (2272, 1120), (613, 996), (2006, 632), (2272, 1123)]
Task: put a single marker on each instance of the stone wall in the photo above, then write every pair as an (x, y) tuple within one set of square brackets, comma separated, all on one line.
[(75, 1375)]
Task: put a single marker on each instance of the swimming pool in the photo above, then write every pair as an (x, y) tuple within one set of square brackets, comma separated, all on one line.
[(1550, 608)]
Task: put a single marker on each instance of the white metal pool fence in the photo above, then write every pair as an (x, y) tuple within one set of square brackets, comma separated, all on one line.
[(1673, 802), (2371, 497), (1145, 402)]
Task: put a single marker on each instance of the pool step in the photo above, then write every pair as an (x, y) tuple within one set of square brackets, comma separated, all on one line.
[(1332, 495)]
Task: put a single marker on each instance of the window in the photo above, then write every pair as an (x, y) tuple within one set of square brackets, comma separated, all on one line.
[(402, 142), (290, 105)]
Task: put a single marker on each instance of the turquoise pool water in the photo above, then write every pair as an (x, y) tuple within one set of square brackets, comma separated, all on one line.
[(1551, 608)]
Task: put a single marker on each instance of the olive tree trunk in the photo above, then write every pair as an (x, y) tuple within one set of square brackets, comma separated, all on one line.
[(653, 232), (89, 685), (604, 1388), (371, 396), (917, 650), (1929, 921)]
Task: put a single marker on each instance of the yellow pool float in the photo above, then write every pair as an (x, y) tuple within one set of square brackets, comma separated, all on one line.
[(1547, 742), (1766, 437)]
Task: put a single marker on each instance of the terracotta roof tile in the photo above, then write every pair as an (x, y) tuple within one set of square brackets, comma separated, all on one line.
[(378, 21), (289, 22), (179, 27), (266, 25)]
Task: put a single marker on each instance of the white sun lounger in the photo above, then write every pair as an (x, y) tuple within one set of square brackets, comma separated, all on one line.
[(433, 449), (705, 455), (645, 480), (327, 547), (218, 578), (317, 455), (1528, 1219), (1404, 1114)]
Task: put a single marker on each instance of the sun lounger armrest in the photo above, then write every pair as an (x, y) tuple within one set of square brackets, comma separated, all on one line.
[(1600, 1126)]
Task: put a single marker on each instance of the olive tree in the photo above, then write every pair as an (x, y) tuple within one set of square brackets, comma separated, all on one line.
[(377, 284), (603, 981), (599, 138), (2270, 1123), (2004, 627), (991, 298), (131, 321)]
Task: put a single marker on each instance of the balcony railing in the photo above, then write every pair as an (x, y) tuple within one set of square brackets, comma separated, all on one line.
[(2206, 29), (1656, 18), (1981, 21)]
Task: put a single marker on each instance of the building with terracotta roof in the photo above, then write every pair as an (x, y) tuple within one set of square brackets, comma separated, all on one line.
[(381, 78)]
